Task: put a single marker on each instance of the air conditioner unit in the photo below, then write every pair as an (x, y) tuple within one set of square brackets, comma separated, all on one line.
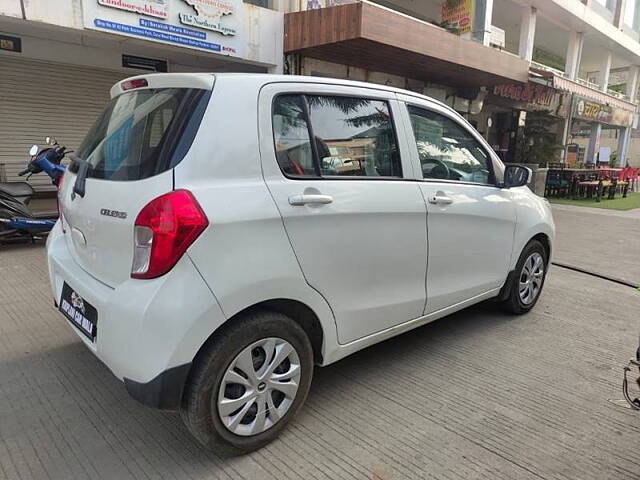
[(496, 39)]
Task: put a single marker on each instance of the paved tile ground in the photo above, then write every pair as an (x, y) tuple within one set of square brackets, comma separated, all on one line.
[(478, 395), (603, 241)]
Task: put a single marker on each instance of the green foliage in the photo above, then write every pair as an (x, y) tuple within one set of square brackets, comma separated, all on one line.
[(620, 88), (629, 203), (539, 145), (547, 58)]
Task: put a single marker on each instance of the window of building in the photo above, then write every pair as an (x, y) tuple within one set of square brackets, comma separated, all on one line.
[(448, 151), (353, 137), (260, 3), (632, 14)]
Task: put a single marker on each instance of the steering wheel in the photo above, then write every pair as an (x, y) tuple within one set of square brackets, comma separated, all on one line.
[(439, 170)]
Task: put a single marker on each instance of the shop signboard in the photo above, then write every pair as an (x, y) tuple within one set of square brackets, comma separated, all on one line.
[(590, 110), (457, 15), (529, 97), (208, 25)]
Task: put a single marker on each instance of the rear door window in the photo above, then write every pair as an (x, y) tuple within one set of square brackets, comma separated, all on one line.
[(352, 137), (143, 133), (291, 131)]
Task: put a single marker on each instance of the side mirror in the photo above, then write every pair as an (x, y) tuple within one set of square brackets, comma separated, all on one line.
[(50, 140), (33, 150), (516, 176)]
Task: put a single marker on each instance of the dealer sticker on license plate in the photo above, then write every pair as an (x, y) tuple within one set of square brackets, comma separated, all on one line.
[(78, 311)]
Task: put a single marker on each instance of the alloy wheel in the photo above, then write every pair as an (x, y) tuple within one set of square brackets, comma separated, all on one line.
[(531, 278), (259, 386)]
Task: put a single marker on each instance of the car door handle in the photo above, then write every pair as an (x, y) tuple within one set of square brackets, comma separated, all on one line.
[(310, 199), (440, 200)]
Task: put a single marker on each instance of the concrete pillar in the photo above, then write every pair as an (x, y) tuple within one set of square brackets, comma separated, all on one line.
[(482, 17), (574, 54), (571, 69), (527, 32), (594, 143), (632, 82), (624, 140), (605, 70), (623, 146)]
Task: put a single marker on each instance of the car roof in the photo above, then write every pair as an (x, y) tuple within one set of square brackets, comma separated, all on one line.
[(261, 79), (266, 78)]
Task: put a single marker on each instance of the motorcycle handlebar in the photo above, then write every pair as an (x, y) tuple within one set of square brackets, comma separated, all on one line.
[(23, 172)]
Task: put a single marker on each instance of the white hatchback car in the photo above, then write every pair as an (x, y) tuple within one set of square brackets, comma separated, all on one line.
[(209, 257)]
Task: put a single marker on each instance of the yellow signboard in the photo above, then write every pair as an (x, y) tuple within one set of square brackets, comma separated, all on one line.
[(457, 15)]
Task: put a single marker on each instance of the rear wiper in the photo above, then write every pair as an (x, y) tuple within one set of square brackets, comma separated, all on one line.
[(83, 169)]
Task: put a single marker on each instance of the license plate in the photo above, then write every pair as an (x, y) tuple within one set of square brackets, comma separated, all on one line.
[(79, 312)]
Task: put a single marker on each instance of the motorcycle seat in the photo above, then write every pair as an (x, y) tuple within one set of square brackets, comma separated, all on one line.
[(17, 189)]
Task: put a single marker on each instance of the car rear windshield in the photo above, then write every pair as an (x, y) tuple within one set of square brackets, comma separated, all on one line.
[(143, 133)]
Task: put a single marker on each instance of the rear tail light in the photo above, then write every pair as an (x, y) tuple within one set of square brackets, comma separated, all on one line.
[(164, 229)]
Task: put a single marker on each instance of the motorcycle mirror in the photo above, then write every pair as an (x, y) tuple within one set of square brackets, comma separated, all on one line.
[(33, 150), (47, 140)]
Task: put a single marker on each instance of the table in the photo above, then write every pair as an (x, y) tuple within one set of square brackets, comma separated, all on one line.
[(572, 181)]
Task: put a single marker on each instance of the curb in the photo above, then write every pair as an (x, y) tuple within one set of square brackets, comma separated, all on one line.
[(598, 275)]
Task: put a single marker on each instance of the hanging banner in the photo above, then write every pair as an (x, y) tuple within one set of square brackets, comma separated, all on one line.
[(457, 15), (209, 25)]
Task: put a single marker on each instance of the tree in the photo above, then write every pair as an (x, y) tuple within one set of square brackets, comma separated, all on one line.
[(539, 143)]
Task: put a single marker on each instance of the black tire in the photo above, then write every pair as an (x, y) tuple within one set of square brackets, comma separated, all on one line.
[(199, 403), (513, 303)]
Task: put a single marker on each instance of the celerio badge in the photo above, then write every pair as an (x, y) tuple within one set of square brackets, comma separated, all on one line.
[(113, 213)]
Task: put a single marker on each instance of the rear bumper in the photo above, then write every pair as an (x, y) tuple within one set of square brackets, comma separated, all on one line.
[(148, 331), (164, 391)]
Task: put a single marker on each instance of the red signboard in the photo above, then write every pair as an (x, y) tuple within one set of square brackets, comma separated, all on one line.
[(529, 93)]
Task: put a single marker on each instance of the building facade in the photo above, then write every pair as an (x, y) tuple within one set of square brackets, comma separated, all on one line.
[(542, 80), (59, 58)]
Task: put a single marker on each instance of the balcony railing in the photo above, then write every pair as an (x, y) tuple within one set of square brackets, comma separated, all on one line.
[(546, 68), (587, 83), (615, 93), (581, 81)]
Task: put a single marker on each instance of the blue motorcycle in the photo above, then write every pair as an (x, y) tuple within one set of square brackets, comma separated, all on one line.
[(17, 221)]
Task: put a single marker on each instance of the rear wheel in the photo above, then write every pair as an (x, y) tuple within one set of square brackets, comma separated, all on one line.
[(526, 284), (248, 383)]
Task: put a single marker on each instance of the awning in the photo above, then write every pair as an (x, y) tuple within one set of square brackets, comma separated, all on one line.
[(564, 84), (594, 105), (379, 39)]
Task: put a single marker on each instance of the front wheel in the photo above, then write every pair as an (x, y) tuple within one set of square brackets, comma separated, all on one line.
[(526, 285), (248, 383)]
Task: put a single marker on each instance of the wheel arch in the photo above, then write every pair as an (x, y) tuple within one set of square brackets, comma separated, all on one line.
[(541, 237), (544, 239), (294, 309)]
